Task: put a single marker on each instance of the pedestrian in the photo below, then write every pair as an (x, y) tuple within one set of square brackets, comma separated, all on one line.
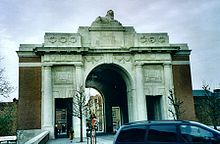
[(56, 131), (59, 127), (71, 134)]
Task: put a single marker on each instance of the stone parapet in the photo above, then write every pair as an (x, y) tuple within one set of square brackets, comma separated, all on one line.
[(62, 40), (151, 39)]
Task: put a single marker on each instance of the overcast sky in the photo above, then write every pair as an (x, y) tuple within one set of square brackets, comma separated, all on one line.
[(196, 22)]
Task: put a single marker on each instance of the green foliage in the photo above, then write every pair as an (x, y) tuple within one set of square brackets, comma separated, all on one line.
[(8, 119), (201, 110), (211, 106)]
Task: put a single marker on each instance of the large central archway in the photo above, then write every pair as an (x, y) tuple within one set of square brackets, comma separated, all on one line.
[(109, 80)]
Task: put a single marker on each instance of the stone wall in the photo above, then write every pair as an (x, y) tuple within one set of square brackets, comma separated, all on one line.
[(29, 105), (183, 90)]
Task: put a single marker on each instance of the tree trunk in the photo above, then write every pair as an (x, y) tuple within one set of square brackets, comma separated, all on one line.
[(81, 127)]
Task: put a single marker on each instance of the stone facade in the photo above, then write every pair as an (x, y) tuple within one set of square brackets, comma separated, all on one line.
[(144, 65)]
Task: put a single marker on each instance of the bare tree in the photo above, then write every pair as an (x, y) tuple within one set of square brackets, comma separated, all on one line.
[(5, 88), (79, 107), (177, 104), (7, 112), (212, 104)]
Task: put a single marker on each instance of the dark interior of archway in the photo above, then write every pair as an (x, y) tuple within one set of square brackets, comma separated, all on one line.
[(62, 104), (108, 80)]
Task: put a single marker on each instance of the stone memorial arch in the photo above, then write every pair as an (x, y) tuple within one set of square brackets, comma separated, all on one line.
[(132, 71)]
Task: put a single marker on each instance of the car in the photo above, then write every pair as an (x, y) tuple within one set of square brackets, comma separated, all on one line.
[(166, 132)]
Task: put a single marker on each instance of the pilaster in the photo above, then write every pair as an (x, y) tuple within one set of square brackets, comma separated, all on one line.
[(79, 80), (168, 83), (47, 102), (140, 102), (79, 84)]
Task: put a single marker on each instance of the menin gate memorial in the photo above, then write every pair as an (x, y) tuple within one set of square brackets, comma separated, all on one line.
[(133, 72)]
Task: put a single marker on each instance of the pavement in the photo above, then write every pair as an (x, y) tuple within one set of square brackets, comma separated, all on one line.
[(102, 139)]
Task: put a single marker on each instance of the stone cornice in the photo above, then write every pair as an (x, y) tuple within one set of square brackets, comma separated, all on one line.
[(62, 63), (26, 54), (80, 50), (43, 50), (155, 49), (183, 52), (153, 62)]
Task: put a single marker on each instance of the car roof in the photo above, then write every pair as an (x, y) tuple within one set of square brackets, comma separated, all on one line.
[(147, 122)]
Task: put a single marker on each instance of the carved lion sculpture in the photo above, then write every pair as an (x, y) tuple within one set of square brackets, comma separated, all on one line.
[(107, 20), (108, 17)]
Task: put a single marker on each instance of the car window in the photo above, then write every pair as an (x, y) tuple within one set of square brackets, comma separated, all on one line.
[(195, 134), (162, 133), (132, 134)]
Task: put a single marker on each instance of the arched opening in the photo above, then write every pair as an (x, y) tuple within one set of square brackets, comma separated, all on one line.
[(109, 80), (95, 106)]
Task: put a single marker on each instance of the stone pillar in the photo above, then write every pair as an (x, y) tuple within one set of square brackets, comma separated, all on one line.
[(79, 83), (168, 83), (131, 104), (47, 102), (141, 109), (79, 80)]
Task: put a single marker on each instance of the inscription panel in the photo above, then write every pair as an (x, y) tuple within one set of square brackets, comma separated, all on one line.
[(107, 39), (63, 75), (153, 79), (153, 74)]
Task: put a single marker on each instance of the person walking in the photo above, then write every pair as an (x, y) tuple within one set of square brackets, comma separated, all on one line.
[(71, 134)]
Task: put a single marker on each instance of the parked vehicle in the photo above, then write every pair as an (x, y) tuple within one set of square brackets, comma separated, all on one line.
[(166, 132)]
